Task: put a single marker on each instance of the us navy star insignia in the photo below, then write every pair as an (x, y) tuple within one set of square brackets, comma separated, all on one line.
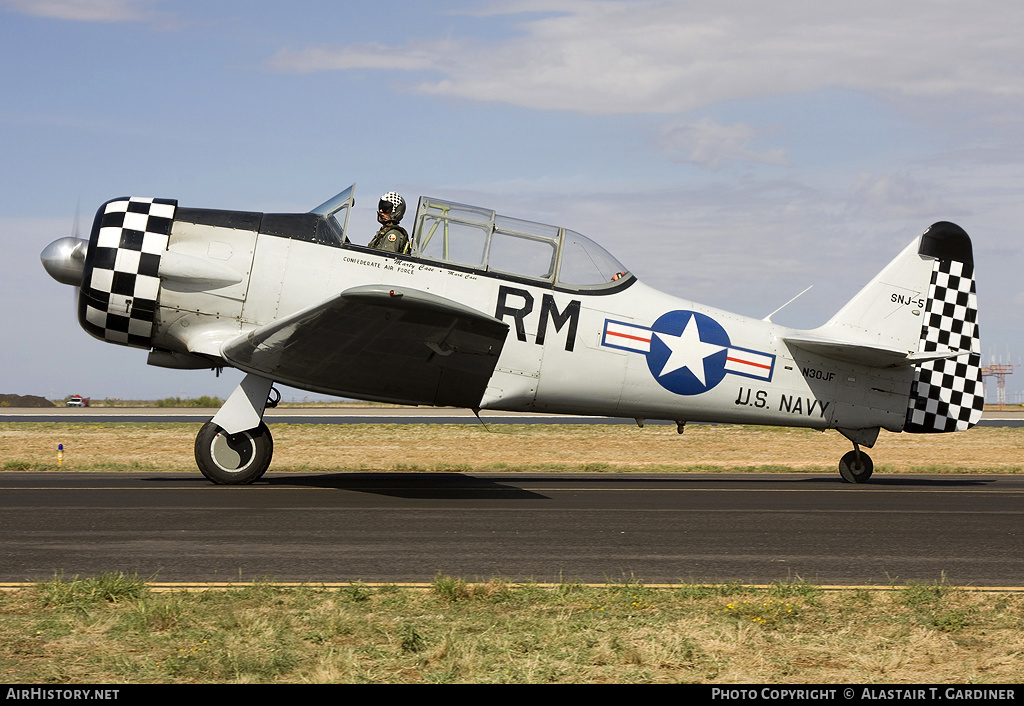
[(688, 351)]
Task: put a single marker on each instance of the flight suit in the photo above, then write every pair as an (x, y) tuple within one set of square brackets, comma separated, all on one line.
[(392, 238)]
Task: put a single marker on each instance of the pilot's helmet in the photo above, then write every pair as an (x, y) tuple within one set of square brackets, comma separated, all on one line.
[(391, 208)]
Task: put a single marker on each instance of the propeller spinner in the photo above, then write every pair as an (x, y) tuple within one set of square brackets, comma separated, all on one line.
[(64, 260)]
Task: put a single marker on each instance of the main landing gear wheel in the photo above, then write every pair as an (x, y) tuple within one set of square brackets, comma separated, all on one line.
[(856, 467), (233, 459)]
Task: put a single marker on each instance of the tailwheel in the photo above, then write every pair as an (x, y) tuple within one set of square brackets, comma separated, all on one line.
[(856, 466), (233, 459)]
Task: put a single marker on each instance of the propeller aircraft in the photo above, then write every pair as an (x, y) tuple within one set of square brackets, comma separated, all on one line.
[(484, 311)]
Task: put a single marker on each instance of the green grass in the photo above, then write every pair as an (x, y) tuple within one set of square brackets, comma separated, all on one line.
[(80, 592)]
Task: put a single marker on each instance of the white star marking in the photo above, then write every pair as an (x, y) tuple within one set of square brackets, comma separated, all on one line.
[(688, 351)]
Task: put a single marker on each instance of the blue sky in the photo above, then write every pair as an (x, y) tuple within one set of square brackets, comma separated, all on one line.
[(732, 153)]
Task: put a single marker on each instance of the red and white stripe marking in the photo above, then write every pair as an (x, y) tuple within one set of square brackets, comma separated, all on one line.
[(633, 338), (749, 363)]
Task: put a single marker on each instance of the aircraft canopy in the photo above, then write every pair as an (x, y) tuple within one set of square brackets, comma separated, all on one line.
[(479, 238)]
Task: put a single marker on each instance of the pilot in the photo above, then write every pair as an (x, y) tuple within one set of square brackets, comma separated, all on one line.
[(391, 236)]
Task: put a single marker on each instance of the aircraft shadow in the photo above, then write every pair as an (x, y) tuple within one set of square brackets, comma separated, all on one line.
[(410, 485), (465, 483), (510, 486)]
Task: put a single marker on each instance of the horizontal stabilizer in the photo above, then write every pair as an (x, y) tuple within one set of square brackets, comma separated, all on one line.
[(863, 354)]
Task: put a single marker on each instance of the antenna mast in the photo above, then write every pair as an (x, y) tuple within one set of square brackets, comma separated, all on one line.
[(1000, 372)]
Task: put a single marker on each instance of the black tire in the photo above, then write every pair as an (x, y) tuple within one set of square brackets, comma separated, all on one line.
[(233, 459), (854, 471)]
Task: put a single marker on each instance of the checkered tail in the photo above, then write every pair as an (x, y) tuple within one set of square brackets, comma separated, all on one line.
[(121, 283), (948, 395)]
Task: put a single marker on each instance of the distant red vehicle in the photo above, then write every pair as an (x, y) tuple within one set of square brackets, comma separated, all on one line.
[(78, 401)]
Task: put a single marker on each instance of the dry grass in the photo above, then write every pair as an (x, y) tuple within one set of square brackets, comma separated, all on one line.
[(390, 447), (63, 632)]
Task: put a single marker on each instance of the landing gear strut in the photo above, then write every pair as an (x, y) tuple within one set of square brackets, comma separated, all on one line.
[(856, 466), (235, 447)]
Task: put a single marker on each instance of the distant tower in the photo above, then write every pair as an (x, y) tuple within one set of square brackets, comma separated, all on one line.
[(1000, 372)]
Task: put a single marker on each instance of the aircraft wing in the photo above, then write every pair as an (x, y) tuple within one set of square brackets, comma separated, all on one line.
[(866, 354), (373, 342)]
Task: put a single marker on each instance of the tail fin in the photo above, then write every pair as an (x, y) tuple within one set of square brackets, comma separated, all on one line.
[(887, 313), (948, 395), (920, 310)]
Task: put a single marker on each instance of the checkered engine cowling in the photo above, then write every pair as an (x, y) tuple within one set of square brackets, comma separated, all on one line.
[(121, 282), (948, 394)]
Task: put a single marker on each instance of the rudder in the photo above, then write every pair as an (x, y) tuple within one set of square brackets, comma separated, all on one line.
[(948, 394)]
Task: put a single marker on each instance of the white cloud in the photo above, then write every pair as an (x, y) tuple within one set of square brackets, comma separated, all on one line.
[(898, 196), (659, 56), (355, 56), (84, 10), (709, 144)]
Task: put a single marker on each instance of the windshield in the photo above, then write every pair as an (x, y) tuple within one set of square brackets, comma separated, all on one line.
[(336, 211)]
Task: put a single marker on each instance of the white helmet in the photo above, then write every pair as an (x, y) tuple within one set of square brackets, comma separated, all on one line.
[(391, 207)]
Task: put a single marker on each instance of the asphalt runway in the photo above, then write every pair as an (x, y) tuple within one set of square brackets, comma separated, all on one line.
[(595, 528), (966, 530)]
